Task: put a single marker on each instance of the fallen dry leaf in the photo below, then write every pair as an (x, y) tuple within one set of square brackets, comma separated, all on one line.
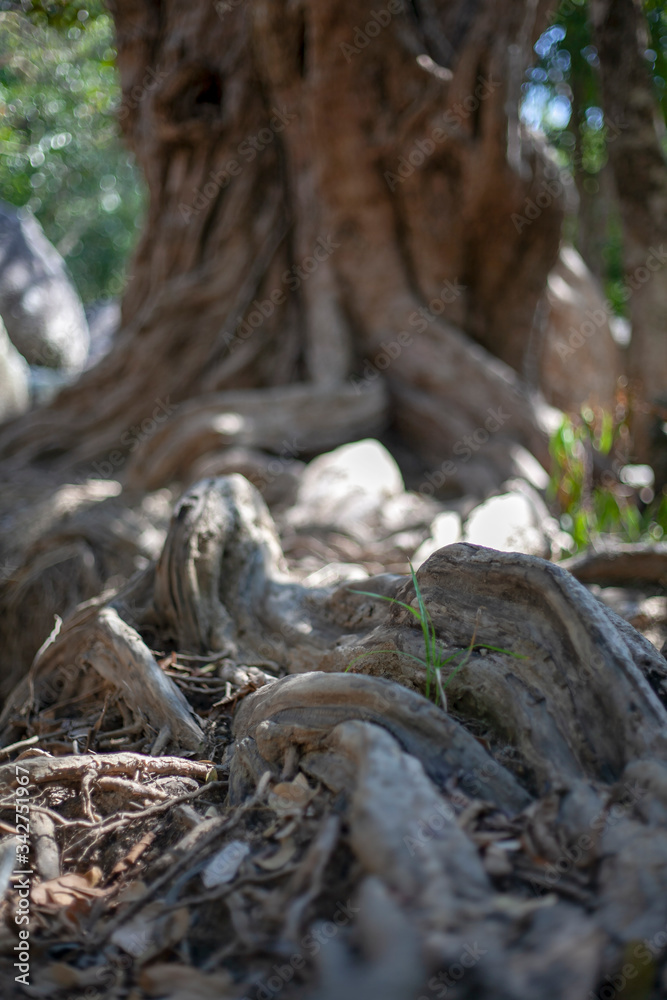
[(66, 890), (152, 931), (278, 860), (290, 796), (60, 976), (223, 866)]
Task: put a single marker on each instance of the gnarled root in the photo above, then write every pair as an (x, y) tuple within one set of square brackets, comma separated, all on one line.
[(522, 829)]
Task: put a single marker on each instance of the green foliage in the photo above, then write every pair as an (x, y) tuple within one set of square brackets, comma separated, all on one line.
[(562, 98), (562, 94), (61, 153), (591, 488), (433, 661), (656, 15)]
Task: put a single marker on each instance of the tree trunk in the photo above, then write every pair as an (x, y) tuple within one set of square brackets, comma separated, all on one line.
[(640, 172), (331, 198), (330, 245)]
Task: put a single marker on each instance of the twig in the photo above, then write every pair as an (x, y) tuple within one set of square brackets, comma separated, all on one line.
[(111, 823), (96, 728), (168, 876), (22, 744), (48, 769), (86, 800), (213, 658), (219, 892)]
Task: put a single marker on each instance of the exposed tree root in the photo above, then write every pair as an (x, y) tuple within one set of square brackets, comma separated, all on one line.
[(513, 845), (624, 564), (295, 419)]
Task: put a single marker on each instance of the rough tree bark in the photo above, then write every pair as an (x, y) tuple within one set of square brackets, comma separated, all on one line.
[(640, 172), (354, 166), (525, 815), (527, 819)]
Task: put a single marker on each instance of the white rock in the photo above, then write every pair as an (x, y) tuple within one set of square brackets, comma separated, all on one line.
[(335, 573), (103, 319), (529, 468), (14, 379), (445, 530), (509, 523), (347, 487), (41, 308), (578, 360)]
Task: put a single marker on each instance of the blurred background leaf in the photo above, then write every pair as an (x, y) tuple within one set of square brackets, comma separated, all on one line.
[(562, 101), (61, 153)]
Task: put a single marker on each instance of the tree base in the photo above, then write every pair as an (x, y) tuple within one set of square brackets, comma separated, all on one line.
[(521, 829)]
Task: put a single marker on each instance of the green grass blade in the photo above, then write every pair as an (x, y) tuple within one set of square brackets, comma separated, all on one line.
[(438, 663), (433, 638), (392, 600), (422, 608), (423, 619), (456, 669), (499, 649)]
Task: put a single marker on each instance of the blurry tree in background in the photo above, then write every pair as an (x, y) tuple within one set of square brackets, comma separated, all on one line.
[(377, 179), (64, 159), (562, 98), (61, 153), (600, 95), (639, 166)]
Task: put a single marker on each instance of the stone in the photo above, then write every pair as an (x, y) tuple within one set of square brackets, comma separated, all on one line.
[(445, 530), (14, 374), (509, 523), (39, 304), (578, 359), (103, 319), (347, 488), (46, 383)]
